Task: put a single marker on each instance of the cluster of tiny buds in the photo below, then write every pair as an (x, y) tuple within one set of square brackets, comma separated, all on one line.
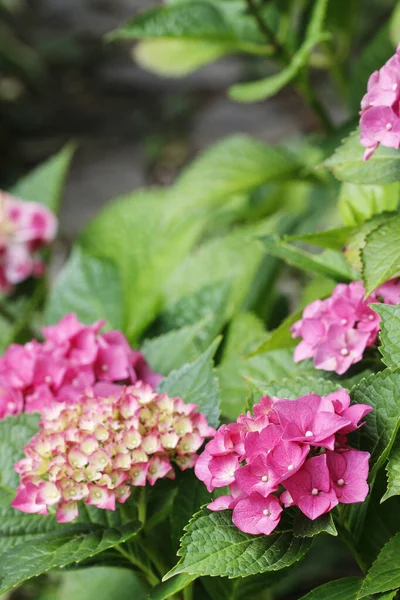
[(98, 448)]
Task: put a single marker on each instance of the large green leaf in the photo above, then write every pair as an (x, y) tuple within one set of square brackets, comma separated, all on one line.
[(295, 386), (305, 527), (347, 163), (212, 545), (381, 254), (196, 383), (333, 239), (236, 164), (393, 472), (255, 587), (389, 334), (45, 183), (169, 588), (141, 235), (357, 203), (328, 263), (280, 337), (90, 287), (358, 239), (101, 583), (57, 550), (384, 575), (191, 495), (381, 391), (340, 589)]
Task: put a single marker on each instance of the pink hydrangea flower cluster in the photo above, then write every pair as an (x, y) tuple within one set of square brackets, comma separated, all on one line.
[(73, 358), (336, 331), (380, 108), (290, 453), (97, 449), (25, 228)]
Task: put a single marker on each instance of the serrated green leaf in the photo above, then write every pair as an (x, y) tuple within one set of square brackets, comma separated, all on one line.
[(88, 286), (393, 472), (235, 165), (389, 334), (379, 390), (212, 545), (358, 203), (347, 163), (333, 239), (296, 386), (357, 240), (196, 383), (304, 527), (328, 263), (381, 254), (340, 589), (45, 183), (169, 588), (58, 550), (144, 255), (191, 495), (384, 575)]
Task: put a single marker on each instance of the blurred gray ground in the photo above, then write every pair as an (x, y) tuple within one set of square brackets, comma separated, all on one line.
[(134, 128)]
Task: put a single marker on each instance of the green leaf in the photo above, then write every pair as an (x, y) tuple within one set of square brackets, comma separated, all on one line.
[(175, 348), (265, 88), (235, 165), (328, 263), (45, 183), (379, 390), (340, 589), (169, 588), (384, 575), (389, 334), (245, 331), (191, 495), (242, 588), (358, 239), (296, 386), (59, 550), (102, 583), (144, 255), (304, 527), (178, 57), (393, 471), (196, 383), (358, 203), (279, 338), (15, 432), (334, 239), (88, 286), (212, 545), (262, 89), (381, 254), (347, 163)]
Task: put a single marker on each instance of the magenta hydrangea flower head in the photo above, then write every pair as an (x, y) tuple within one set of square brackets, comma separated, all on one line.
[(380, 109), (336, 331), (25, 228), (73, 358), (290, 453), (97, 449)]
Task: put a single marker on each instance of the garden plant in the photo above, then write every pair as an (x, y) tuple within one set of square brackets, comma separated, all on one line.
[(204, 403)]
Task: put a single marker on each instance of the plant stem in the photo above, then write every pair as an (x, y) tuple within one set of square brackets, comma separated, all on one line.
[(306, 90), (265, 30), (188, 592), (150, 576), (142, 506)]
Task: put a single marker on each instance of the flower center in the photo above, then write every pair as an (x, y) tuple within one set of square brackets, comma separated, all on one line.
[(389, 126), (343, 322), (290, 467), (394, 87), (340, 482), (266, 512), (264, 478), (344, 352), (309, 434), (314, 492)]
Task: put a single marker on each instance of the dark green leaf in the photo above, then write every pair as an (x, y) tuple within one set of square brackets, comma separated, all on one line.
[(340, 589), (169, 588), (192, 494), (304, 527), (393, 472), (384, 575)]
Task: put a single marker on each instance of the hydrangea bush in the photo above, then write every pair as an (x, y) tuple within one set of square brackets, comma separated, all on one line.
[(204, 403)]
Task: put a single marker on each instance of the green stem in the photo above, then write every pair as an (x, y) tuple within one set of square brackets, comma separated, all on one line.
[(157, 560), (188, 592), (348, 539), (265, 30), (150, 576), (142, 505), (306, 90)]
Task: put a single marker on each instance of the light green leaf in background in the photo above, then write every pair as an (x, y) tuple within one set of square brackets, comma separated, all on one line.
[(45, 183), (90, 287), (358, 239), (384, 575), (381, 254), (389, 334), (358, 203), (333, 239), (347, 163), (280, 338), (213, 545), (196, 383)]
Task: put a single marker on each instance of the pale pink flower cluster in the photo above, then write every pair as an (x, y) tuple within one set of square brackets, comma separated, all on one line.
[(98, 448), (25, 228), (74, 357), (380, 108), (290, 453), (336, 331)]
